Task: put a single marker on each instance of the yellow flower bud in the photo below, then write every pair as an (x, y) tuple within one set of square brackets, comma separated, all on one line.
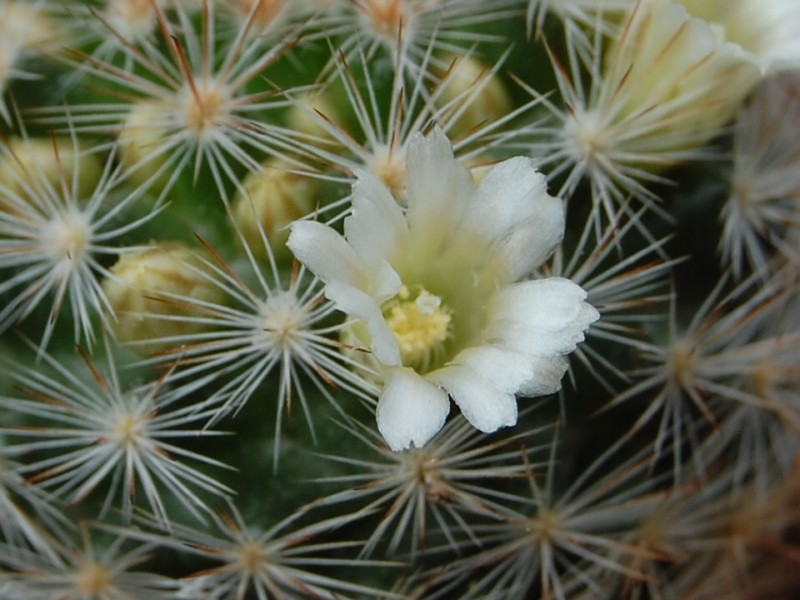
[(676, 67), (472, 85), (145, 288), (478, 167), (29, 26), (271, 199), (389, 165), (133, 19), (268, 13), (770, 31), (303, 117), (140, 137), (31, 162)]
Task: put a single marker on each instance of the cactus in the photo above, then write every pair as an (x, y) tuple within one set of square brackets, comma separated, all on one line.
[(399, 299)]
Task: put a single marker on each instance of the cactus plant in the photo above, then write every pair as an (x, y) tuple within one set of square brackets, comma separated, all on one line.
[(399, 299)]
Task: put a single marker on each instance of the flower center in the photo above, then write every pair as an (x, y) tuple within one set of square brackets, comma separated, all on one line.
[(421, 326)]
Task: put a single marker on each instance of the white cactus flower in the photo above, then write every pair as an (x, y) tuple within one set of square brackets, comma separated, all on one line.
[(769, 31), (439, 292)]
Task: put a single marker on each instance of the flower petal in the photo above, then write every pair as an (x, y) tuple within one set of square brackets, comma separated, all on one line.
[(530, 244), (506, 369), (327, 254), (484, 405), (360, 305), (512, 210), (515, 372), (548, 371), (377, 225), (437, 189), (410, 409), (544, 317)]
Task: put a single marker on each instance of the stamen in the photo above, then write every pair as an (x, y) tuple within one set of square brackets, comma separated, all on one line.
[(421, 325)]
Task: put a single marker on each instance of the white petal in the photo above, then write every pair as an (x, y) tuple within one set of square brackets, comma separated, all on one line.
[(327, 254), (507, 370), (360, 305), (410, 410), (512, 209), (515, 372), (437, 190), (543, 317), (484, 405), (548, 371), (529, 244), (377, 226)]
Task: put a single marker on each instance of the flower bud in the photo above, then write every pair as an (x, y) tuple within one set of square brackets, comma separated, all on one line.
[(272, 197), (145, 288), (29, 26), (133, 19), (36, 161), (675, 66), (140, 137), (472, 86), (304, 116), (770, 31), (266, 14)]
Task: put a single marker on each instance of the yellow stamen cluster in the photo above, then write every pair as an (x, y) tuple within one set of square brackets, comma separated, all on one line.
[(421, 325)]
